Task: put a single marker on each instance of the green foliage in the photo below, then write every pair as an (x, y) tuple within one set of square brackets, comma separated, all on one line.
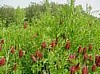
[(19, 15), (56, 21), (7, 15)]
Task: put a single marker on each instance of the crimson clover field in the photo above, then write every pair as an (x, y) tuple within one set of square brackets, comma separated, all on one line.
[(64, 40)]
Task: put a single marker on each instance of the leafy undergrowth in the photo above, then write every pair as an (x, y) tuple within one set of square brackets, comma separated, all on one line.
[(52, 45)]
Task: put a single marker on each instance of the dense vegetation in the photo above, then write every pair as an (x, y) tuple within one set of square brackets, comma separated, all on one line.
[(49, 38)]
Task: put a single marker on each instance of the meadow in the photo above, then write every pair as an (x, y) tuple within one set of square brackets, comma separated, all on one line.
[(66, 41)]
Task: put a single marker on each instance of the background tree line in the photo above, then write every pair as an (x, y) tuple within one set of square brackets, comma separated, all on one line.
[(11, 16)]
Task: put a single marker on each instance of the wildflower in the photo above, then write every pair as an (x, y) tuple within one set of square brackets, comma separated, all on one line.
[(85, 56), (38, 54), (94, 67), (43, 45), (20, 53), (90, 47), (2, 41), (84, 50), (97, 60), (12, 50), (53, 44), (80, 49), (33, 58), (2, 61), (72, 56), (67, 45), (72, 70), (77, 67), (84, 70)]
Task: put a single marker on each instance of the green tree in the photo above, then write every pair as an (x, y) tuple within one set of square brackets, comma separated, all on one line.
[(7, 14), (19, 15)]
